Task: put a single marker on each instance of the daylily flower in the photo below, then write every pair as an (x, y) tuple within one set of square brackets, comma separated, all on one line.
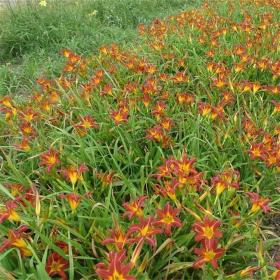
[(119, 116), (17, 240), (168, 189), (115, 269), (144, 231), (167, 218), (9, 213), (73, 200), (85, 123), (15, 188), (106, 178), (56, 265), (117, 237), (74, 173), (207, 230), (276, 273), (208, 254), (258, 202), (50, 159), (228, 179), (134, 208)]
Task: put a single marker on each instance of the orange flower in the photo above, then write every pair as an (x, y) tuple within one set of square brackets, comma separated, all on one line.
[(15, 188), (257, 151), (167, 218), (276, 273), (228, 179), (119, 116), (208, 254), (167, 190), (185, 98), (9, 212), (204, 109), (85, 123), (134, 208), (50, 159), (73, 200), (180, 77), (66, 52), (207, 230), (117, 237), (23, 145), (166, 123), (106, 178), (26, 129), (276, 107), (56, 265), (144, 231), (219, 83), (16, 239), (28, 115), (116, 269), (258, 202), (74, 173)]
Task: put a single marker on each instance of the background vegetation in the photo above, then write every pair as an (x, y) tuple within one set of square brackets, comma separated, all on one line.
[(31, 36)]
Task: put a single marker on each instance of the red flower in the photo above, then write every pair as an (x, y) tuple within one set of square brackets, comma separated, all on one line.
[(119, 116), (144, 231), (16, 239), (23, 145), (257, 151), (156, 133), (258, 202), (86, 123), (106, 178), (207, 230), (15, 189), (186, 165), (73, 200), (50, 159), (56, 265), (166, 123), (159, 108), (9, 213), (117, 237), (228, 179), (73, 173), (276, 273), (116, 269), (166, 218), (170, 166), (208, 254), (134, 208)]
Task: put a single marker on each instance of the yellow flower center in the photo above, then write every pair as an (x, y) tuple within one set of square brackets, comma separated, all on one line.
[(208, 232), (51, 160), (116, 276), (209, 255), (168, 219), (56, 266), (118, 117), (144, 231)]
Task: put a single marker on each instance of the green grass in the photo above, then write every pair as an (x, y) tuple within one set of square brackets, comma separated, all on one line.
[(31, 36)]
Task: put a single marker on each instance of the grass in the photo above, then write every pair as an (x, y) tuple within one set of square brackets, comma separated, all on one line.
[(156, 158), (31, 36)]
